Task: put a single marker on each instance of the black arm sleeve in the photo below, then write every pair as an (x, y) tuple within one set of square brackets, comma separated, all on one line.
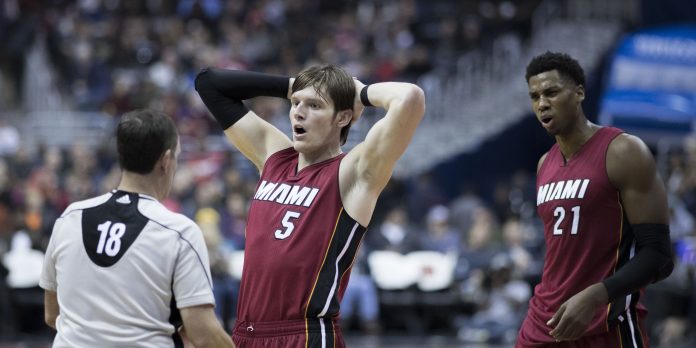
[(652, 261), (222, 91)]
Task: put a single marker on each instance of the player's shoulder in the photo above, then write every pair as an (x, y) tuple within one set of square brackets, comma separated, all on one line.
[(629, 159), (542, 160), (626, 145), (86, 204)]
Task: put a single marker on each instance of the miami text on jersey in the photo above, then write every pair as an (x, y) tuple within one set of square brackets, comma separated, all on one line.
[(286, 194), (565, 189)]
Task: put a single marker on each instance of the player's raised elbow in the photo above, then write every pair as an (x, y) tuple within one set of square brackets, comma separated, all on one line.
[(414, 100), (203, 81)]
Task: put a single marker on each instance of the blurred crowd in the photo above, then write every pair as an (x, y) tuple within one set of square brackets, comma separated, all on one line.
[(116, 55)]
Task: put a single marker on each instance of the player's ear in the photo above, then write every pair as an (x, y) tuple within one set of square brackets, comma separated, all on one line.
[(166, 159), (344, 117), (580, 92)]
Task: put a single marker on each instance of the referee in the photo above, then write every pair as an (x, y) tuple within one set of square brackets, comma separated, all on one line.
[(121, 270)]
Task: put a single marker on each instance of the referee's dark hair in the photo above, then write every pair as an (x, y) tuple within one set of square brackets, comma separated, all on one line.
[(142, 136)]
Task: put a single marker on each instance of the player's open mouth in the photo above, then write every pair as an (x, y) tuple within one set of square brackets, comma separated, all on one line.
[(299, 130), (546, 120)]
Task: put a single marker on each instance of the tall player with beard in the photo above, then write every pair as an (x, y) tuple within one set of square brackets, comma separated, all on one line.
[(313, 202), (605, 219)]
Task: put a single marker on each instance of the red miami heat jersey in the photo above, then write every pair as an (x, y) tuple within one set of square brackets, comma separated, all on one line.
[(587, 237), (300, 243)]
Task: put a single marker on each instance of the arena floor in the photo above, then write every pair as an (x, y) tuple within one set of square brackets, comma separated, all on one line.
[(352, 341)]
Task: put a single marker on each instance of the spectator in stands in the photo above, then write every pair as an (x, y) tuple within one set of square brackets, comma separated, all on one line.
[(23, 262), (479, 249), (396, 233), (462, 208), (523, 264), (501, 309), (18, 27), (440, 235), (481, 243)]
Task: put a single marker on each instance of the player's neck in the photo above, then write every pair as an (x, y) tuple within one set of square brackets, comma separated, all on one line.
[(138, 183), (573, 141), (308, 158)]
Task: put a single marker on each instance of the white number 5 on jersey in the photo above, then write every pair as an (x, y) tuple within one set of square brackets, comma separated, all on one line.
[(288, 226)]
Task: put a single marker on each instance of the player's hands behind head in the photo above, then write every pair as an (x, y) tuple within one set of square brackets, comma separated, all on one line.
[(358, 106)]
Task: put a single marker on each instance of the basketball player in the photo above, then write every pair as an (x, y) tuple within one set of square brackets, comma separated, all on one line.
[(605, 219), (123, 271), (313, 202)]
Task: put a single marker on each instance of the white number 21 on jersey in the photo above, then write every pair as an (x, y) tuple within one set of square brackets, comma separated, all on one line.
[(288, 226), (560, 213)]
